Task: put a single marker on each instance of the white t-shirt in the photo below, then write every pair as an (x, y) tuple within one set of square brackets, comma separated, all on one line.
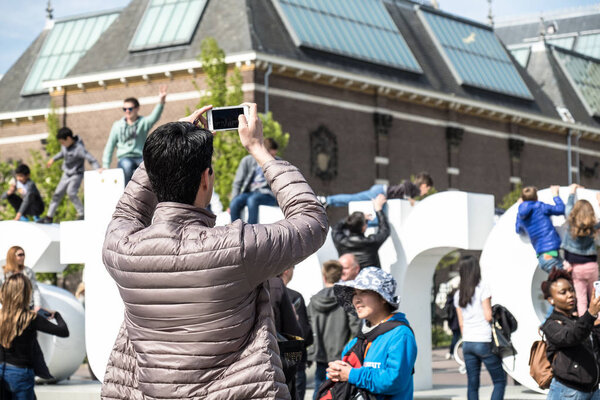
[(475, 327)]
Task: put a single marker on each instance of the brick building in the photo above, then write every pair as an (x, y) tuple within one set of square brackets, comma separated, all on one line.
[(370, 90)]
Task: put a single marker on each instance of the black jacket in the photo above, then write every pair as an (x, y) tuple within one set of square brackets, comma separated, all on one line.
[(283, 310), (573, 350), (364, 248)]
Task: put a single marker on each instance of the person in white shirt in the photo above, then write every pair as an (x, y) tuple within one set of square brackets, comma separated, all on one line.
[(473, 302)]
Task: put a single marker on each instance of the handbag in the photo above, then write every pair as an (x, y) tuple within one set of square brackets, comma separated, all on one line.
[(503, 324), (540, 368), (291, 349)]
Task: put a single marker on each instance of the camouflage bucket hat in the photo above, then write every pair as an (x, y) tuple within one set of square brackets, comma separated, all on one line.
[(370, 278)]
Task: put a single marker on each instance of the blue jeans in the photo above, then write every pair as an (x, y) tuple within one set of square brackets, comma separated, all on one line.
[(546, 262), (129, 165), (342, 200), (558, 391), (251, 200), (20, 381), (320, 377), (474, 353)]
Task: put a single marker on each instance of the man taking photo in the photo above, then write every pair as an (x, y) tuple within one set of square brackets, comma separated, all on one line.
[(198, 322)]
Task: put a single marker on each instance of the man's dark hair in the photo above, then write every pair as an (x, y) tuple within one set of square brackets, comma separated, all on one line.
[(271, 144), (133, 100), (22, 169), (423, 177), (355, 222), (64, 133), (176, 154)]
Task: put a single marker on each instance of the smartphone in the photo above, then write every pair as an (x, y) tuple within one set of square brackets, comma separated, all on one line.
[(597, 288), (225, 118)]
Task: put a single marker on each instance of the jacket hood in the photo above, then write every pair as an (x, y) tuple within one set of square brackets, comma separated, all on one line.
[(399, 316), (526, 208), (324, 301)]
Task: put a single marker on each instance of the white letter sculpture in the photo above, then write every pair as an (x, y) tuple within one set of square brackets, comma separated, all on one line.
[(41, 244)]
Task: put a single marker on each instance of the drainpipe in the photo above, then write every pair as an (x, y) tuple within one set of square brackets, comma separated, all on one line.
[(267, 74), (577, 136), (569, 162)]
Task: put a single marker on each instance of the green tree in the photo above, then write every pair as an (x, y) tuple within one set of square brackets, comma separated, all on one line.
[(46, 179), (221, 92), (511, 197)]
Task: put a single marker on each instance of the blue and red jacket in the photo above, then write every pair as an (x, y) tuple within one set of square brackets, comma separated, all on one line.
[(534, 218)]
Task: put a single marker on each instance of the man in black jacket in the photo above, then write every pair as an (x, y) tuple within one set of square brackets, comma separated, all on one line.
[(349, 235)]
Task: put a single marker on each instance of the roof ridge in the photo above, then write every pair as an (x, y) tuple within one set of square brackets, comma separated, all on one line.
[(571, 12)]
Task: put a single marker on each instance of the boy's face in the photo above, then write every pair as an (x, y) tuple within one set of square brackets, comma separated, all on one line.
[(424, 188), (66, 142), (22, 178)]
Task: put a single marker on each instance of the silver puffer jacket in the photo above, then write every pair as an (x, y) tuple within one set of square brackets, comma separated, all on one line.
[(198, 323)]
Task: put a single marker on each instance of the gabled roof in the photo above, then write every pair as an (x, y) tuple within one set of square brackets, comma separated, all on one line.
[(548, 69), (577, 30), (253, 26), (224, 20)]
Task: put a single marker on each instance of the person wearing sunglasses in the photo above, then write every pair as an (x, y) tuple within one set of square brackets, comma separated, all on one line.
[(128, 134), (15, 263)]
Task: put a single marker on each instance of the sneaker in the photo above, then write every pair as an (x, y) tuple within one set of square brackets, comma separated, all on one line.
[(323, 200), (45, 220), (448, 356)]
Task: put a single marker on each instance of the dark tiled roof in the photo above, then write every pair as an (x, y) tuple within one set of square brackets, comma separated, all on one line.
[(12, 82), (224, 20), (246, 25), (515, 33)]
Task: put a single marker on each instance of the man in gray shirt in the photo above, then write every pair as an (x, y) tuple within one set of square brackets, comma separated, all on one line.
[(250, 188)]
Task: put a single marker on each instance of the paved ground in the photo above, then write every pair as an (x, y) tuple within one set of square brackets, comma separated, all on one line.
[(448, 384)]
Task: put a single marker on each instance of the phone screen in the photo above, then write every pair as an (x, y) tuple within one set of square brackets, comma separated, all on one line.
[(224, 119)]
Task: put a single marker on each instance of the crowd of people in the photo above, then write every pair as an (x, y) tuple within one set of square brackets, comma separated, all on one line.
[(203, 283)]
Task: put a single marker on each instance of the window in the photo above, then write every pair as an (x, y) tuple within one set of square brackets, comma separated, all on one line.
[(361, 29), (521, 55), (167, 23), (588, 45), (475, 55), (584, 75), (66, 43)]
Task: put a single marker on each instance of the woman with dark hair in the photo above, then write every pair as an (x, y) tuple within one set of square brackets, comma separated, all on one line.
[(473, 302), (18, 335), (573, 342), (15, 263)]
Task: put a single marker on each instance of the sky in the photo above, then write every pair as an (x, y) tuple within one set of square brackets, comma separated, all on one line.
[(23, 20)]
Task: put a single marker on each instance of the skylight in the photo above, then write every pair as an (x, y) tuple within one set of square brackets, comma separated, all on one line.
[(167, 23), (475, 55), (361, 29), (66, 43), (584, 75)]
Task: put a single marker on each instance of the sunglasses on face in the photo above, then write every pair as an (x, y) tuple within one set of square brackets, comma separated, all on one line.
[(20, 255), (130, 109)]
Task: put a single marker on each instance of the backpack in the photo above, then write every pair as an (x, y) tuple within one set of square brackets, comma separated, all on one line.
[(330, 390), (503, 325), (540, 368)]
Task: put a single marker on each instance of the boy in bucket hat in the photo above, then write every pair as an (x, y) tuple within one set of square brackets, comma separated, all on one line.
[(380, 360)]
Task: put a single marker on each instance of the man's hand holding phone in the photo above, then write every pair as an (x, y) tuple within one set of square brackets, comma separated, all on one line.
[(251, 135)]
